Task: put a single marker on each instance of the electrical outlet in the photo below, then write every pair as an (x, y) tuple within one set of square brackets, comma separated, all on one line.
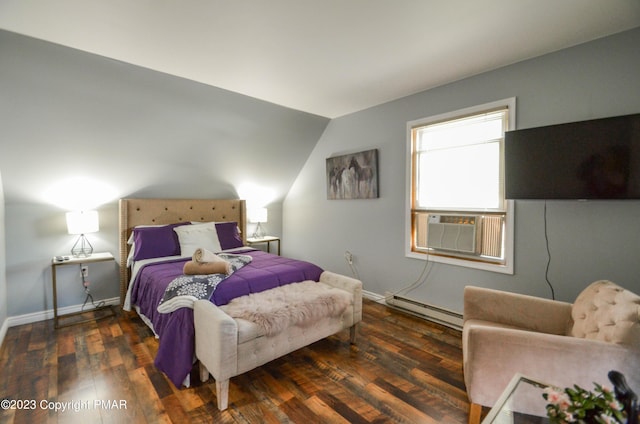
[(85, 270)]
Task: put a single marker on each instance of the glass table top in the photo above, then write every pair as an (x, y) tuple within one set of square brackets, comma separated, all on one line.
[(520, 403)]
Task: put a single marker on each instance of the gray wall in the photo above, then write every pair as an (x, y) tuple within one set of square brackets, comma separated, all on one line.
[(66, 114), (588, 240)]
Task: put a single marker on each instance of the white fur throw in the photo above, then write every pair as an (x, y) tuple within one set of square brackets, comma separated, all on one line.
[(301, 304)]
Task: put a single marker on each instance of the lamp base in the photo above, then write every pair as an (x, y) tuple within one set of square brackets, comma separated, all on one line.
[(259, 232), (82, 248)]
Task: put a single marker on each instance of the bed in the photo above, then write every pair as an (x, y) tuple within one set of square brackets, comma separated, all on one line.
[(146, 225)]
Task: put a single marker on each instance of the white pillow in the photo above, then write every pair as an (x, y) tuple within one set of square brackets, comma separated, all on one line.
[(192, 237)]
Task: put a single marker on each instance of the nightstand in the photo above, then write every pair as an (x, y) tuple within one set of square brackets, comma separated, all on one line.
[(266, 239), (70, 260)]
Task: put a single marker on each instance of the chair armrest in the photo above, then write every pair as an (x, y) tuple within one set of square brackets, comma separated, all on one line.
[(492, 355), (216, 340), (516, 310)]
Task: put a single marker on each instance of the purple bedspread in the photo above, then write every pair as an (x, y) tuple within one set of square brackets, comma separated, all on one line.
[(176, 330)]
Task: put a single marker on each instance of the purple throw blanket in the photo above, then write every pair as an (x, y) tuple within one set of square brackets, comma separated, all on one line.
[(176, 330)]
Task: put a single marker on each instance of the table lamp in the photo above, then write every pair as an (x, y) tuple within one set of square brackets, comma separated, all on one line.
[(82, 222), (257, 216)]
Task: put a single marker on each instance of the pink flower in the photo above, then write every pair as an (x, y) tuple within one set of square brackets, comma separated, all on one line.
[(607, 419), (615, 405), (553, 394), (564, 402)]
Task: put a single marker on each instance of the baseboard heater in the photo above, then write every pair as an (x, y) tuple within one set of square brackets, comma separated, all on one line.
[(430, 312)]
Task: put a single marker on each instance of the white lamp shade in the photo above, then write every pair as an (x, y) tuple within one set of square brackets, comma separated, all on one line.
[(82, 222), (258, 215)]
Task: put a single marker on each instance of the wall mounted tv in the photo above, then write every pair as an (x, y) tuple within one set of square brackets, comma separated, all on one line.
[(595, 159)]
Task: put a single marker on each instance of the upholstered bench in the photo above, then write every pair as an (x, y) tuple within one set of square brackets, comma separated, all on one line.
[(227, 347)]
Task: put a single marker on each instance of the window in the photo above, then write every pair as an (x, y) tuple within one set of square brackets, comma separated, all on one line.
[(457, 212)]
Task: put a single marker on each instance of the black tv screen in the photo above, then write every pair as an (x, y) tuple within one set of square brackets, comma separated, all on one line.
[(595, 159)]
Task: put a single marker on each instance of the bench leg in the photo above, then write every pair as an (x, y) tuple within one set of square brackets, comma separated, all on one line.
[(353, 333), (222, 393), (204, 372)]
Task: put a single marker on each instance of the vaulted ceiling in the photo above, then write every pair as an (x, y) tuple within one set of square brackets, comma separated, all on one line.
[(326, 57)]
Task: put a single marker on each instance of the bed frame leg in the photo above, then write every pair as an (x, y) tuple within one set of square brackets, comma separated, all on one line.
[(204, 373), (222, 393), (353, 333)]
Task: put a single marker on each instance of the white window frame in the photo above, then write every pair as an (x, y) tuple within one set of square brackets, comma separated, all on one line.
[(508, 266)]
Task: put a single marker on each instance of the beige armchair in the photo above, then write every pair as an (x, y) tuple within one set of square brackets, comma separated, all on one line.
[(554, 342)]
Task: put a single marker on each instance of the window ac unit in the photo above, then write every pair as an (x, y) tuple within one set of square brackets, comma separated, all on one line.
[(456, 233)]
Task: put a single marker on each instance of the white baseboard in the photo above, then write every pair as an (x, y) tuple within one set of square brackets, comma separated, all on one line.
[(373, 296), (3, 330), (45, 315)]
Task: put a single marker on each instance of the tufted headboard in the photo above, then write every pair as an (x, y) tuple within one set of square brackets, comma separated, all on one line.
[(135, 212)]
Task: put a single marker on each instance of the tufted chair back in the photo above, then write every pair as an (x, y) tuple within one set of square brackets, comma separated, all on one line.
[(607, 312)]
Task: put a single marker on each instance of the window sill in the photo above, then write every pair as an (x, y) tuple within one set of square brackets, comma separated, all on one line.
[(485, 266)]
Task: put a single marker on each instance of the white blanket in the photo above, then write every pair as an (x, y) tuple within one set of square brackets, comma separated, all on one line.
[(301, 304)]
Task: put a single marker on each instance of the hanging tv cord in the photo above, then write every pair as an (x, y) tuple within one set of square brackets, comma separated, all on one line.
[(546, 239)]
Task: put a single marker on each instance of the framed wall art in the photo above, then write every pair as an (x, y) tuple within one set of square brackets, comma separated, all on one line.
[(353, 176)]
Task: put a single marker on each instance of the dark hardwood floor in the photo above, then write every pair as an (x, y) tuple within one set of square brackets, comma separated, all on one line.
[(402, 369)]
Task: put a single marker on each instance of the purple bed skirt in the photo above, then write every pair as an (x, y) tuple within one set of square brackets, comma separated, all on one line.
[(176, 330)]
